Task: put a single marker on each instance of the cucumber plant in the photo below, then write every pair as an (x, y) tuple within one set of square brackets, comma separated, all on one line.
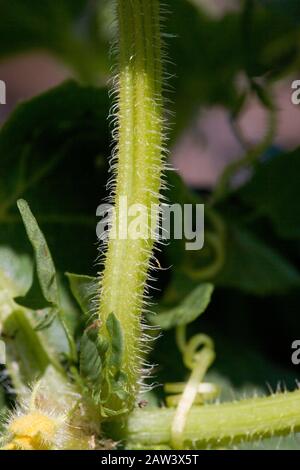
[(87, 393)]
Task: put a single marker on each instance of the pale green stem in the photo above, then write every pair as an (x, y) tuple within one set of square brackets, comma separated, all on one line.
[(219, 425), (138, 175)]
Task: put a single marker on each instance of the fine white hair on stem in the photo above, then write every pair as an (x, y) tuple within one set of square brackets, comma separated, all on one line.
[(139, 130)]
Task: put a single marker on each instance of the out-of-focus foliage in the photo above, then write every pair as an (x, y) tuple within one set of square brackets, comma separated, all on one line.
[(69, 29), (253, 266), (211, 54), (54, 152), (268, 195)]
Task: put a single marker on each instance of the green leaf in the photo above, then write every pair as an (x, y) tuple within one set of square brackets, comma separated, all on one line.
[(101, 360), (84, 289), (116, 379), (45, 269), (55, 334), (187, 311), (93, 363), (274, 192), (32, 351), (90, 360), (46, 279), (115, 333), (28, 22), (17, 269), (255, 267), (58, 144), (43, 130)]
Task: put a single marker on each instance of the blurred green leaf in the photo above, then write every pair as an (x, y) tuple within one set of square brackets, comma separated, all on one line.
[(207, 56), (57, 145), (251, 264), (17, 268), (84, 289), (42, 131), (178, 193), (64, 28), (188, 310), (15, 280), (32, 350), (274, 192), (211, 53), (254, 267), (289, 8), (27, 348), (32, 23)]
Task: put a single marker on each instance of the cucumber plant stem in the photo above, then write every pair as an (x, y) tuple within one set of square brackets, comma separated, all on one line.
[(138, 175), (219, 425)]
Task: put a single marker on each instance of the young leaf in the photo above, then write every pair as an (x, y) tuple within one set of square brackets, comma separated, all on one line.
[(101, 366), (116, 342), (90, 359), (192, 307), (46, 277), (45, 269), (116, 378), (84, 289), (93, 361)]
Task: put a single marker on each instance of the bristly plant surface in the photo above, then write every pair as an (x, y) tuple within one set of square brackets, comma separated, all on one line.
[(77, 370), (137, 165)]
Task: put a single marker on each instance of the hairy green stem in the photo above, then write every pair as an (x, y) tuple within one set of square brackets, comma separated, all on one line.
[(219, 425), (138, 174)]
